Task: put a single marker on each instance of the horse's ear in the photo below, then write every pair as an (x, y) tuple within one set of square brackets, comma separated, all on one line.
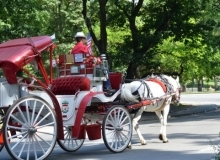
[(177, 79)]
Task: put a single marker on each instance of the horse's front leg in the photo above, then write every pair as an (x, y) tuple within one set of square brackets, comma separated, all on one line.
[(135, 120), (163, 122)]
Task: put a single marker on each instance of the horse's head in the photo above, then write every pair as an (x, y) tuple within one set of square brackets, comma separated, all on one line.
[(176, 87)]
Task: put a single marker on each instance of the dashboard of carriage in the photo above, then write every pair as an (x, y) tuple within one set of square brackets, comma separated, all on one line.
[(93, 68), (75, 64)]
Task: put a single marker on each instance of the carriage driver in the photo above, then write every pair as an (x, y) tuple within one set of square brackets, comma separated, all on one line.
[(81, 47)]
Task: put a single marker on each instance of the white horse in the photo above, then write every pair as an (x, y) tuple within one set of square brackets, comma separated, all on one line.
[(160, 91)]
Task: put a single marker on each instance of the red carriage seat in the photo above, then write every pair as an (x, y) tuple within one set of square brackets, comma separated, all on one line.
[(70, 85)]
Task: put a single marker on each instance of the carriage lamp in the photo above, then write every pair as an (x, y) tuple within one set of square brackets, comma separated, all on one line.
[(104, 65)]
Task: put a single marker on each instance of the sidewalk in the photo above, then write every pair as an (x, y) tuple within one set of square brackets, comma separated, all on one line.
[(182, 110)]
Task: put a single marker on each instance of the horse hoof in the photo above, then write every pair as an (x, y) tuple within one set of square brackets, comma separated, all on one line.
[(129, 147), (160, 137), (143, 142), (165, 141)]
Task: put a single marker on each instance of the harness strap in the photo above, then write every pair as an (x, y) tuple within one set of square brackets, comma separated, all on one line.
[(170, 88), (156, 80), (150, 94)]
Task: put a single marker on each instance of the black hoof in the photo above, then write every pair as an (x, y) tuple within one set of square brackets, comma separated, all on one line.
[(129, 147), (165, 141), (160, 137)]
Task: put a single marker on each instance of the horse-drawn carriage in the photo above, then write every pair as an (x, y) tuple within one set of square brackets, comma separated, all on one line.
[(36, 113)]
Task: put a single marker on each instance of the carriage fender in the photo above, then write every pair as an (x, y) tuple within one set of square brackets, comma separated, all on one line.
[(81, 109), (60, 133)]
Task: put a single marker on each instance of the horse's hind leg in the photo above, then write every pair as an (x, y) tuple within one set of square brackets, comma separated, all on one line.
[(136, 126), (163, 122)]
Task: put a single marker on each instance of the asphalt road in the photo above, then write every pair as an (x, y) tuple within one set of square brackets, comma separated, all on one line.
[(190, 138), (205, 98)]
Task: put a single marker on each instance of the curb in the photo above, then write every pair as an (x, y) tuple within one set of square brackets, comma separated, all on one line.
[(183, 110), (195, 109)]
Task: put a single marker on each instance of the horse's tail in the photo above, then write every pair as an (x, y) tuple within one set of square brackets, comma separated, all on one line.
[(126, 93)]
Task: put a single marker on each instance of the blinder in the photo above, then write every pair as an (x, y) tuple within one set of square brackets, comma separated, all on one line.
[(136, 93)]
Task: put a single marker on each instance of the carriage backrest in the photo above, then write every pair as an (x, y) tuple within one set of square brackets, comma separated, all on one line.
[(70, 85)]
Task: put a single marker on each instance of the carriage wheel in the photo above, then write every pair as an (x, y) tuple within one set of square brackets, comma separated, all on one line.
[(117, 128), (1, 123), (30, 129), (69, 144)]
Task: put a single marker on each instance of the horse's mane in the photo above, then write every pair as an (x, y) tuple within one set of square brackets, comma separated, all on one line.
[(174, 82), (126, 93)]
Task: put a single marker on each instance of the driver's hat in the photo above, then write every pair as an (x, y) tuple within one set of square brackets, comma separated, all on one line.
[(80, 35)]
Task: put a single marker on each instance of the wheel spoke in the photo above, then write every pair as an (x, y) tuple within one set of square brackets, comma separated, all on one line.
[(43, 119), (124, 120), (20, 122), (113, 139), (16, 144), (33, 112), (28, 114), (46, 125), (39, 113), (47, 133), (121, 116), (14, 136), (28, 151), (43, 140), (21, 151), (42, 149), (110, 127), (22, 115), (113, 123), (16, 128), (34, 146), (69, 144)]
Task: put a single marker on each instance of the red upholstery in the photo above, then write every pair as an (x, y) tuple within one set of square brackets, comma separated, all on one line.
[(69, 85)]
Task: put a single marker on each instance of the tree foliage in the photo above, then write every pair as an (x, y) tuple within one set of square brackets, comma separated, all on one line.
[(139, 37)]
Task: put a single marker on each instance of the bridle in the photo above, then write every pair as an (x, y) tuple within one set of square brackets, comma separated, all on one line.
[(176, 96)]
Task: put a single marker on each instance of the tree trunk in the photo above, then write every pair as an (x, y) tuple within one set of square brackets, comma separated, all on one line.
[(200, 85), (184, 88), (216, 83), (130, 72)]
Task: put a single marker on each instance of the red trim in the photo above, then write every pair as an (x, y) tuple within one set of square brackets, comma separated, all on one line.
[(31, 75), (1, 138), (51, 70), (81, 111), (43, 71), (159, 82)]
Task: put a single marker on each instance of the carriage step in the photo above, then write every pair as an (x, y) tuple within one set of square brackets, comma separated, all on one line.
[(102, 113)]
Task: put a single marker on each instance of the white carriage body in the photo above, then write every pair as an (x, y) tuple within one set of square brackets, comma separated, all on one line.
[(69, 104), (9, 93)]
